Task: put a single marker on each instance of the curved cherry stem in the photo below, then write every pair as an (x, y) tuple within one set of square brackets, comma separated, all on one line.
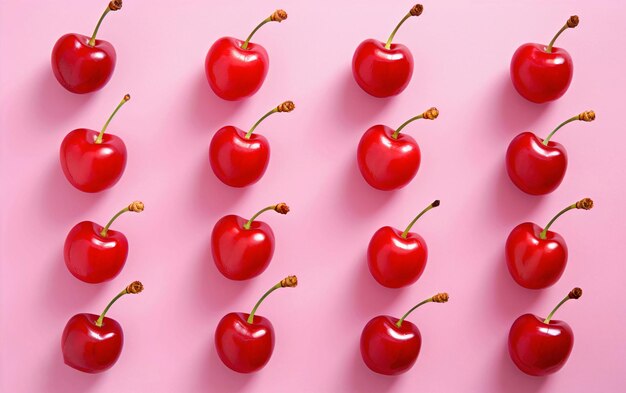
[(92, 40), (408, 228), (415, 11), (438, 298), (288, 282), (277, 16), (101, 135), (430, 114), (134, 288), (104, 230), (547, 139), (281, 208), (286, 106), (136, 207), (575, 293), (570, 24), (585, 204), (265, 116)]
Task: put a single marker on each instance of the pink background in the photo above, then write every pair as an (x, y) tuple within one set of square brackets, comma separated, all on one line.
[(462, 51)]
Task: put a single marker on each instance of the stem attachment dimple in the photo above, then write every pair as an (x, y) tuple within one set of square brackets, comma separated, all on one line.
[(277, 16), (101, 134), (570, 24), (438, 298), (133, 288), (584, 116), (114, 5), (286, 106), (416, 10), (430, 114), (408, 228), (281, 208), (584, 204), (287, 282), (136, 207), (575, 293)]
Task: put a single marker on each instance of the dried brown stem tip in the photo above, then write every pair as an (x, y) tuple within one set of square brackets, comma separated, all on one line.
[(134, 287), (278, 16), (115, 5), (572, 21), (136, 207), (431, 114), (286, 106), (127, 97), (587, 116), (585, 204), (441, 298), (417, 10), (575, 293), (436, 203), (289, 282), (281, 208)]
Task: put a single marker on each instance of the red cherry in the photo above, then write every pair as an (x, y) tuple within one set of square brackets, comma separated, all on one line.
[(93, 161), (384, 70), (236, 69), (245, 342), (94, 254), (92, 343), (537, 166), (397, 259), (541, 347), (537, 257), (240, 159), (541, 74), (242, 249), (83, 64), (390, 346), (387, 159)]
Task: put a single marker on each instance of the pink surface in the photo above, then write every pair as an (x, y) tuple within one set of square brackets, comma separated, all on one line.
[(462, 51)]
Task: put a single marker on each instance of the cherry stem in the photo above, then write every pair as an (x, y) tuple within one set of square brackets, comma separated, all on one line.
[(571, 119), (245, 44), (543, 233), (134, 288), (393, 33), (256, 306), (265, 116), (549, 48), (575, 293), (92, 40), (124, 100), (396, 133), (104, 230), (287, 282), (248, 224), (399, 323), (408, 228)]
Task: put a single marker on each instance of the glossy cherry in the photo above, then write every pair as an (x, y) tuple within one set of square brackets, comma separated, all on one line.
[(384, 70), (84, 64), (387, 159), (92, 343), (540, 346), (397, 259), (245, 342), (236, 69), (537, 257), (390, 346), (240, 158), (92, 161), (537, 166), (94, 254), (242, 248), (543, 73)]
